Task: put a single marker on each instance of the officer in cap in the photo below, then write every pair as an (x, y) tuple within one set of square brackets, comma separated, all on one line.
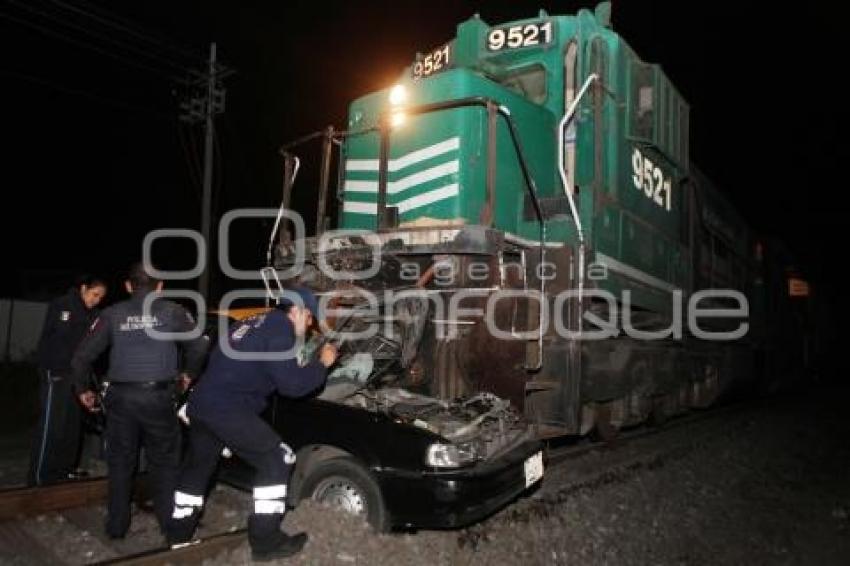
[(254, 360)]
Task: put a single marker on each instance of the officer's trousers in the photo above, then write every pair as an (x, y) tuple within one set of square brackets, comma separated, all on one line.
[(56, 446), (254, 441), (136, 414)]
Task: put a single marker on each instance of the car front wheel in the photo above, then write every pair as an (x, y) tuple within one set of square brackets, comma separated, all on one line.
[(346, 485)]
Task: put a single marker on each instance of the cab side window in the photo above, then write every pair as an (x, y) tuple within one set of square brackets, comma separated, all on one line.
[(643, 101)]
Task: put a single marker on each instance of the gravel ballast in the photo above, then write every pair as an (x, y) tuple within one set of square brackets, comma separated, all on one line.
[(764, 485)]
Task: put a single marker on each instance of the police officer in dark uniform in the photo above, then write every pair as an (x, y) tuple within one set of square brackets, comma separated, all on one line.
[(57, 440), (223, 412), (143, 375)]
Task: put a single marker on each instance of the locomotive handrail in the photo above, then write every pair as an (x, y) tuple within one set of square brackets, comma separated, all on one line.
[(329, 136), (568, 189), (284, 204), (562, 168)]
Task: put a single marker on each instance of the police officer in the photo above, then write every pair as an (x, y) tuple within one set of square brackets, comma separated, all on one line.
[(57, 441), (223, 412), (139, 400)]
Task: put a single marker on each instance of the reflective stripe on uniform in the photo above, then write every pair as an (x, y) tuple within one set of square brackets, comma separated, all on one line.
[(181, 512), (48, 407), (270, 492), (183, 499), (269, 507)]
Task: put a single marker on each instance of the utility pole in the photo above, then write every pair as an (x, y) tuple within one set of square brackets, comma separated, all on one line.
[(205, 101), (206, 199)]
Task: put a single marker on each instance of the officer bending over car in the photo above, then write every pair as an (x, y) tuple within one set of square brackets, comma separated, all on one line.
[(223, 412)]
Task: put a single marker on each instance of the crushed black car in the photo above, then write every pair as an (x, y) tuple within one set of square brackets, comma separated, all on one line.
[(373, 444)]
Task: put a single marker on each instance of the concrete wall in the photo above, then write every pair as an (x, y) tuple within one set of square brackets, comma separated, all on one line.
[(20, 328)]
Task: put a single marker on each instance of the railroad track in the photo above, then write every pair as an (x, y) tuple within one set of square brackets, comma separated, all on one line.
[(195, 553), (588, 464), (561, 454), (63, 524), (16, 503)]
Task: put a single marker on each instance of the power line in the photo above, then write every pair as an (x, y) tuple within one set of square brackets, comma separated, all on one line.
[(89, 46), (128, 28), (57, 19), (83, 93)]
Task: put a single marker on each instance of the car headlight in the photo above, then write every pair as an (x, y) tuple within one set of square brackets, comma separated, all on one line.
[(442, 455)]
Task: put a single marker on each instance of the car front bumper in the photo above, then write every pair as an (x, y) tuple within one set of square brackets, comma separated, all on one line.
[(454, 498)]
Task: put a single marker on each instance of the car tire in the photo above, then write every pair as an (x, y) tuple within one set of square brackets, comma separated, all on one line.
[(347, 485)]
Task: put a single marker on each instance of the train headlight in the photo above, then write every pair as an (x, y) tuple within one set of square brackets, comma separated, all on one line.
[(398, 95), (397, 119)]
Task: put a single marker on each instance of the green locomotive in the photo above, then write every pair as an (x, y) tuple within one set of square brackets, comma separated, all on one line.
[(534, 176)]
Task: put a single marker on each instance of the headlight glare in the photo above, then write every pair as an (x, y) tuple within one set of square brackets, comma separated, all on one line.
[(398, 95), (443, 455)]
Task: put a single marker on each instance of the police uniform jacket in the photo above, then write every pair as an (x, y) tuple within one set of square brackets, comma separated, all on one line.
[(135, 356), (239, 379), (65, 325)]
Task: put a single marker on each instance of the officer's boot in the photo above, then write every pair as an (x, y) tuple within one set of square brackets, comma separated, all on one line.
[(268, 542), (178, 532), (180, 527)]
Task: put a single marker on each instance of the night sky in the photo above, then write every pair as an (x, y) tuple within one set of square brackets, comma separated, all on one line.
[(95, 156)]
